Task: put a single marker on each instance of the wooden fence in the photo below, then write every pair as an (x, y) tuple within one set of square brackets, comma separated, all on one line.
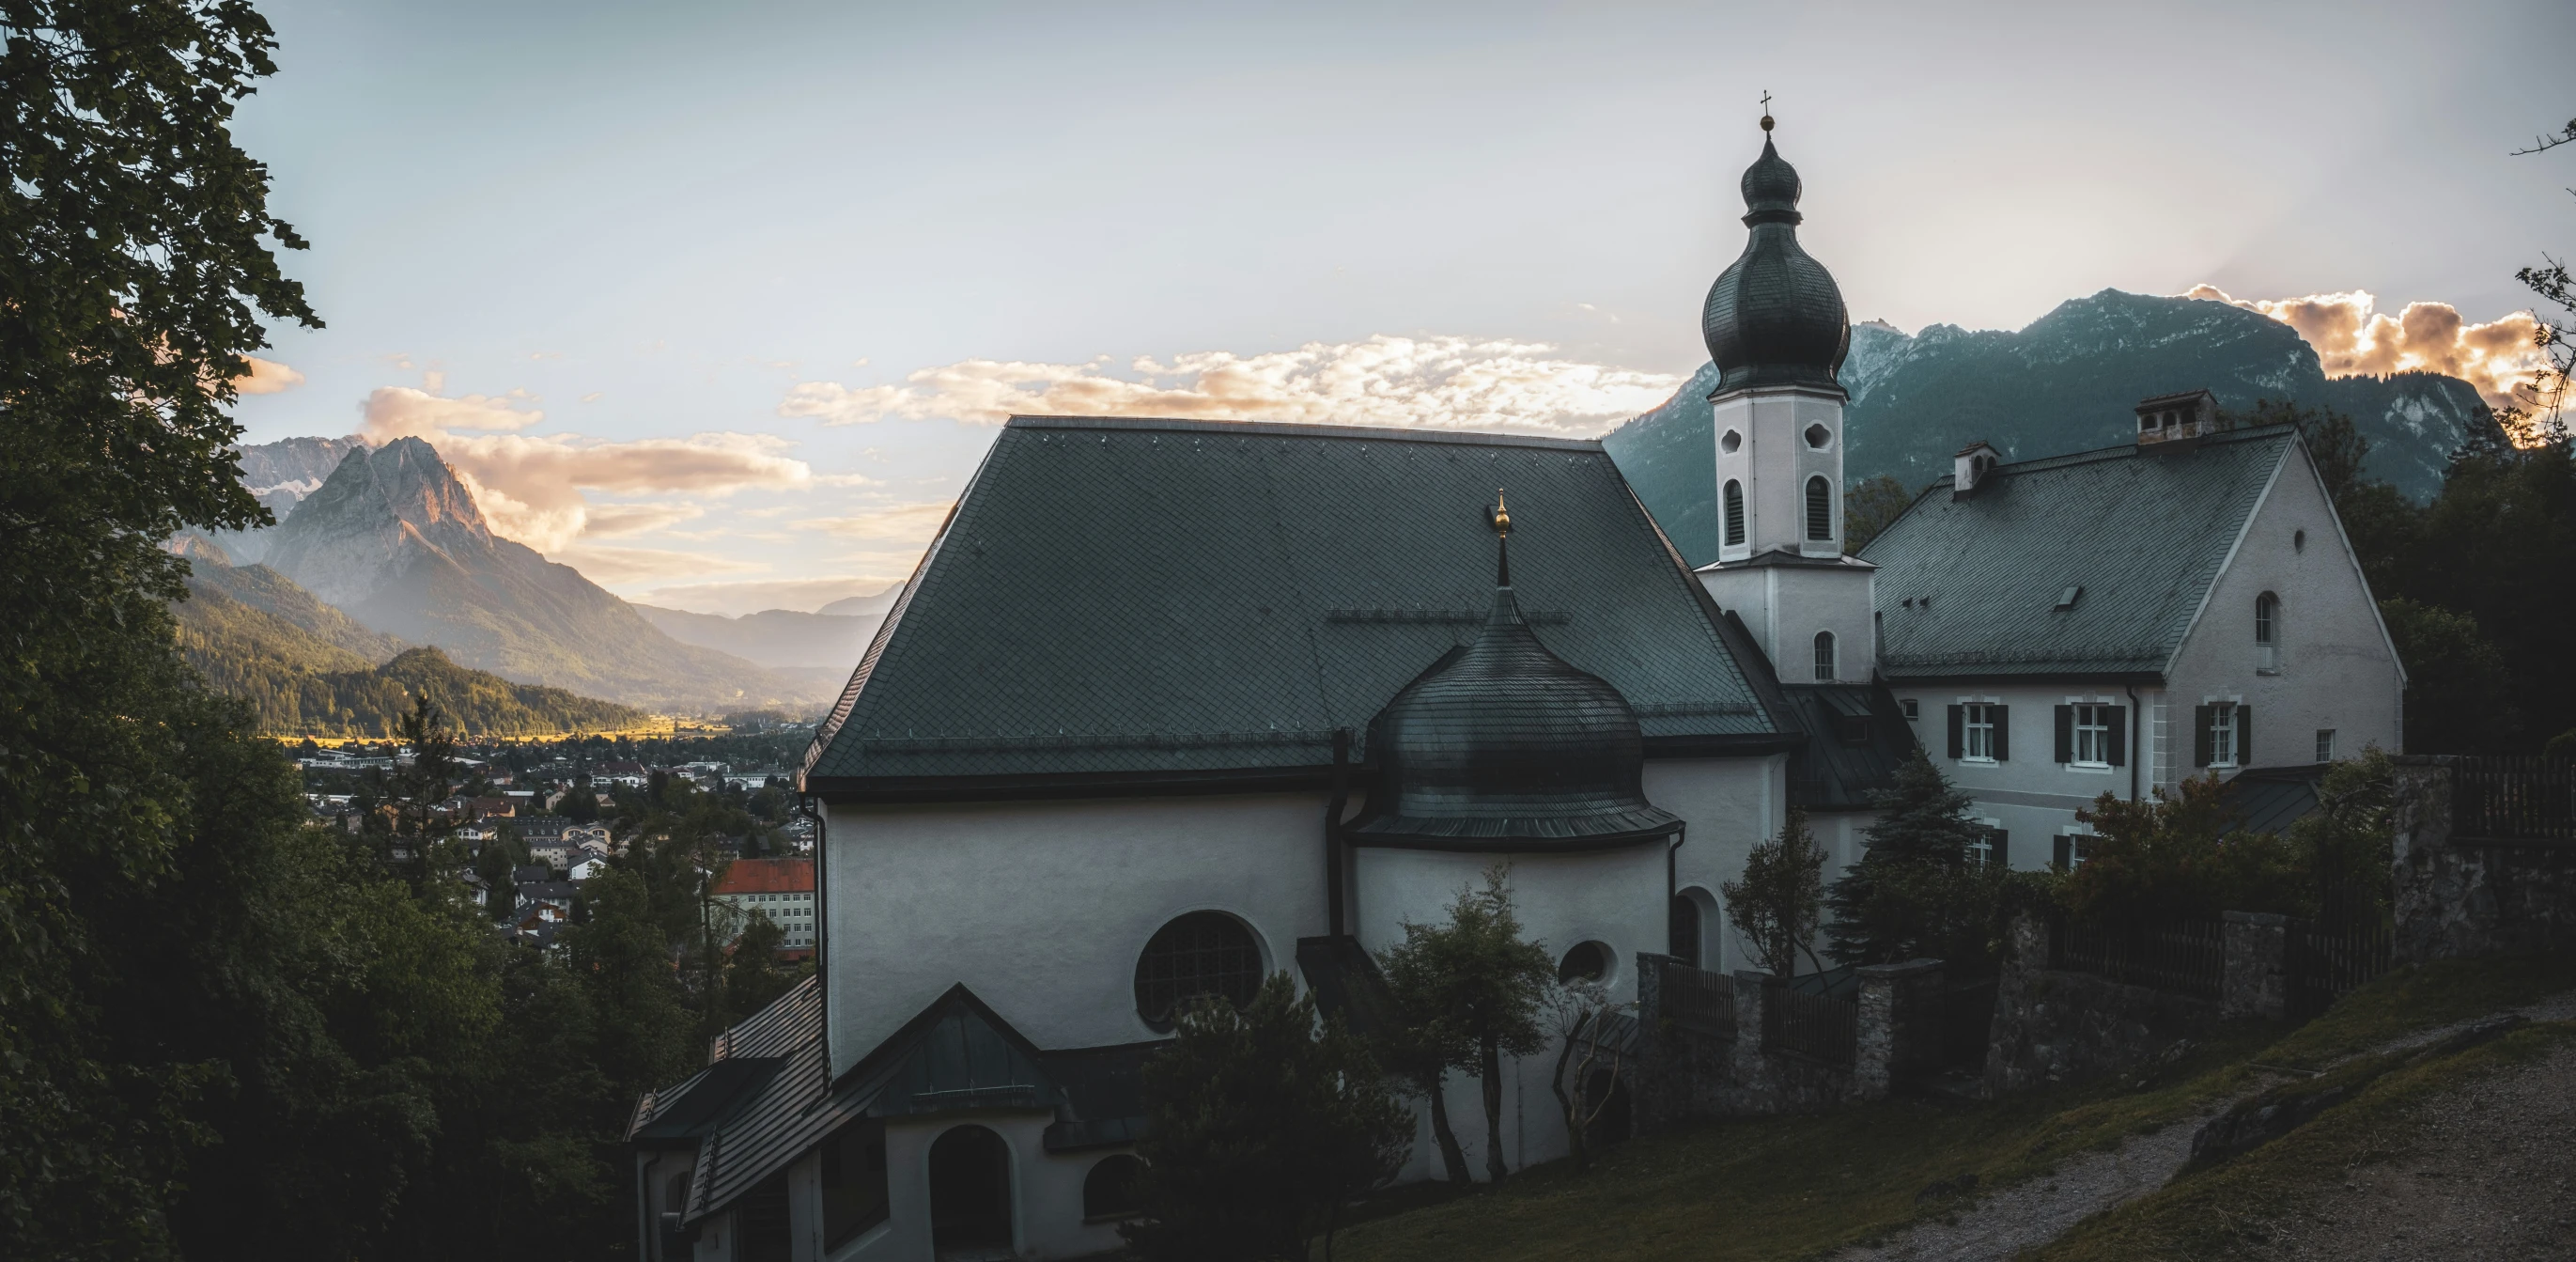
[(1697, 1000), (2513, 799), (2328, 960), (1821, 1027), (2186, 957)]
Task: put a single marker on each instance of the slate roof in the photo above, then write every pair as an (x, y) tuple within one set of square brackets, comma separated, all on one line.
[(1968, 586), (2272, 798), (767, 1095), (767, 876), (1149, 597), (1856, 736)]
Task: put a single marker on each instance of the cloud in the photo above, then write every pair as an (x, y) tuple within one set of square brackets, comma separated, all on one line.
[(612, 566), (908, 523), (1429, 382), (752, 596), (530, 486), (266, 376), (606, 520), (2353, 338)]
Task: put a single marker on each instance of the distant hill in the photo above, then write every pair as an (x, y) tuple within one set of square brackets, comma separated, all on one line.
[(308, 670), (772, 637), (393, 539), (875, 606), (2065, 383)]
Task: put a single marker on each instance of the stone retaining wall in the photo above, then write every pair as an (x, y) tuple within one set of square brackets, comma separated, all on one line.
[(2468, 897)]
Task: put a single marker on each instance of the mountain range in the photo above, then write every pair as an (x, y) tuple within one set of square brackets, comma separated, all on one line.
[(2065, 383), (307, 669), (392, 539), (819, 648)]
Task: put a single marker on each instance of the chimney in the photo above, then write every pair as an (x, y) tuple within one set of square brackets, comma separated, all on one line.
[(1969, 468), (2170, 417)]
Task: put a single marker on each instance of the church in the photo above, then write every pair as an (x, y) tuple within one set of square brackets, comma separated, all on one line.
[(1169, 706)]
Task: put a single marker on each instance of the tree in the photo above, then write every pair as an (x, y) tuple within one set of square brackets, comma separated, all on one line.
[(1774, 904), (1579, 1011), (1870, 507), (2344, 846), (503, 855), (2461, 697), (1419, 1050), (753, 974), (1914, 893), (1476, 986), (2178, 855), (1261, 1125)]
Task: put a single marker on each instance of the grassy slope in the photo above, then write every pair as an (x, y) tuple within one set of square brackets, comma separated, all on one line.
[(1781, 1188)]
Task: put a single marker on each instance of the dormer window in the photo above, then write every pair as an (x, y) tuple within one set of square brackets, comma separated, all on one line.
[(2267, 634)]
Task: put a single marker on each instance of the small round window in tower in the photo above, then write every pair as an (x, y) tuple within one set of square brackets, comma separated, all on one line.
[(1587, 962), (1732, 443), (1819, 437)]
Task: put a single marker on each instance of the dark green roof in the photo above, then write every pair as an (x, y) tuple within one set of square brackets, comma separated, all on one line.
[(1968, 586), (1138, 598)]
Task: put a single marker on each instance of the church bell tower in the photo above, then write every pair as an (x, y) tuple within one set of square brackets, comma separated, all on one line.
[(1777, 332)]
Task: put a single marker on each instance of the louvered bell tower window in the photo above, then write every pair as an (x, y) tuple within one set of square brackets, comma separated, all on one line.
[(1820, 509), (1734, 513), (1202, 953)]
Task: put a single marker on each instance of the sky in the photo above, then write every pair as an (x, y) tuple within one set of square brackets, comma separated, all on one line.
[(722, 303)]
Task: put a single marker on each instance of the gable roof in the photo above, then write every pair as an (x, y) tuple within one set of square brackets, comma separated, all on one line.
[(1143, 598), (1969, 585), (766, 876)]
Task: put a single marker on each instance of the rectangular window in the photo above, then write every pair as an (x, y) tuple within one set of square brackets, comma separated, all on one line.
[(1912, 710), (2072, 850), (2325, 744), (2222, 735), (2093, 735), (1979, 731), (1981, 852)]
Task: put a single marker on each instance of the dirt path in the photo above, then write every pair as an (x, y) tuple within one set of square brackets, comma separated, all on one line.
[(2512, 1137)]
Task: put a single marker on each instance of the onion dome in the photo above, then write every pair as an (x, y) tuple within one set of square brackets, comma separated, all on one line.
[(1503, 745), (1775, 316)]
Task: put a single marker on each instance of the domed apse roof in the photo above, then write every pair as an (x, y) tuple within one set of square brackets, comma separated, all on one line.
[(1775, 316), (1502, 745)]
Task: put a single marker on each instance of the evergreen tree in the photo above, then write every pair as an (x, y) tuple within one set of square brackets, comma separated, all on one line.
[(1914, 893), (1261, 1125), (1476, 987)]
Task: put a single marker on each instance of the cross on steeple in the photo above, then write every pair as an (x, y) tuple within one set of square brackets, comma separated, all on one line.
[(1766, 109)]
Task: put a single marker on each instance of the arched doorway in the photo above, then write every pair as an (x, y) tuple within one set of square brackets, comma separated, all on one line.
[(970, 1194)]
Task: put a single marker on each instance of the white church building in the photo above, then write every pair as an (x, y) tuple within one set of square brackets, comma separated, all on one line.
[(1172, 705)]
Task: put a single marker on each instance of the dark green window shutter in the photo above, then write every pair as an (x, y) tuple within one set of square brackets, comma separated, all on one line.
[(2119, 736), (2244, 736), (2066, 733), (2064, 853), (2002, 716), (2202, 719), (2003, 850), (1958, 731)]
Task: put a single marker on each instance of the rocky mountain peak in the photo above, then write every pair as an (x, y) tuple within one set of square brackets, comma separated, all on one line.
[(378, 511)]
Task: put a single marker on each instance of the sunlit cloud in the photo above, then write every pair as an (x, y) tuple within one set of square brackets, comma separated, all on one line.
[(753, 595), (1430, 382), (910, 523), (2353, 338), (266, 376), (610, 520), (531, 485), (615, 566)]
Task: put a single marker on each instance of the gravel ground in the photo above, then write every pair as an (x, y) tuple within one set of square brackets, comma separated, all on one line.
[(2487, 1171), (2489, 1174)]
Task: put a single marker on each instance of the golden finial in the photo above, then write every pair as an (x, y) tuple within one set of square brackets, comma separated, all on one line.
[(1502, 514)]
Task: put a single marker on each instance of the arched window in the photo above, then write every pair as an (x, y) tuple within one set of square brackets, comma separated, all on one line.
[(1588, 962), (1824, 656), (1734, 512), (1684, 935), (1202, 953), (1111, 1189), (2267, 633), (1820, 508)]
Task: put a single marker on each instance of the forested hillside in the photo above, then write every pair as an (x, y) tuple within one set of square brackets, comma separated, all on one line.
[(308, 670)]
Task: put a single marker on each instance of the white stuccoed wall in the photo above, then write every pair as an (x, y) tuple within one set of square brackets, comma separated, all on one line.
[(1042, 908), (1774, 463), (1731, 805), (2337, 669)]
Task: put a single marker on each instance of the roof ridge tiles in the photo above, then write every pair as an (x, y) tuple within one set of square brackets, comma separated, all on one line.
[(1303, 429), (2126, 450)]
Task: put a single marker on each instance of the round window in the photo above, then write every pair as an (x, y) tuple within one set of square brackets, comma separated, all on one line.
[(1818, 436), (1732, 443), (1587, 962), (1202, 953)]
